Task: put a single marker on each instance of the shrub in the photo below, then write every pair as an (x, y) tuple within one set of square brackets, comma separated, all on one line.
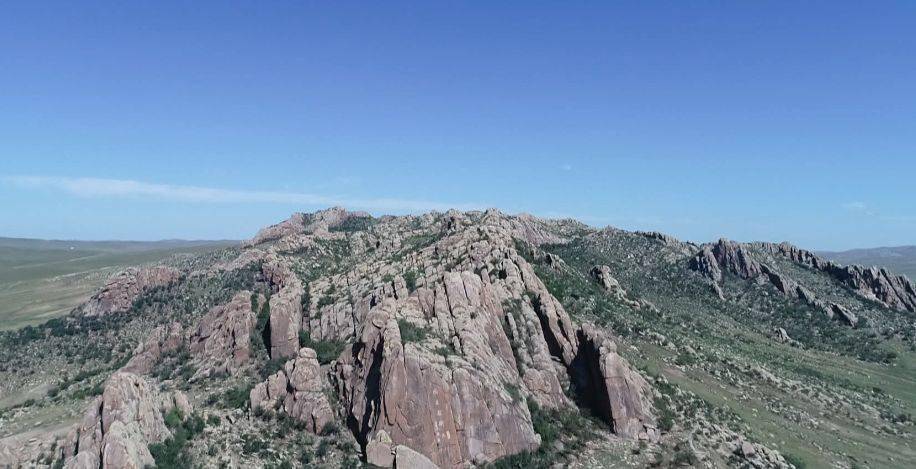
[(327, 350), (410, 278), (172, 453), (411, 332), (684, 457), (237, 398), (272, 366), (353, 224), (796, 461)]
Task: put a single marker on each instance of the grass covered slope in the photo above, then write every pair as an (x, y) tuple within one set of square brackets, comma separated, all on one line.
[(43, 279), (829, 395)]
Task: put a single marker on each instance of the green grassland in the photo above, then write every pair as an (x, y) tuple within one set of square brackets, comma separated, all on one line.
[(40, 279)]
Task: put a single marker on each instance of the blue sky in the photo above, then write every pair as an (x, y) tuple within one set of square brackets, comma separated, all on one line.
[(750, 120)]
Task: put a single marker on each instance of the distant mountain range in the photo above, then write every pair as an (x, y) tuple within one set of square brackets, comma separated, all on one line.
[(899, 260)]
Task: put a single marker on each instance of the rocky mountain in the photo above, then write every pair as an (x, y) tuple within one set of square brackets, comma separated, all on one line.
[(470, 339), (900, 259)]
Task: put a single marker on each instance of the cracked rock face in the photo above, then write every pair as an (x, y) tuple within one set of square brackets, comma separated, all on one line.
[(285, 308), (299, 390), (616, 392), (119, 293), (222, 339), (117, 429), (449, 415)]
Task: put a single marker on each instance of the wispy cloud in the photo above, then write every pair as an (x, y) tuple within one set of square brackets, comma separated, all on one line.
[(864, 209), (100, 187), (857, 206)]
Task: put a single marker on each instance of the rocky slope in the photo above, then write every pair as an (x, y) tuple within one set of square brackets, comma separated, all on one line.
[(466, 340)]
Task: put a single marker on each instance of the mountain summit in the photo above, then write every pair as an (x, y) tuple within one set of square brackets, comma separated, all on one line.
[(470, 339)]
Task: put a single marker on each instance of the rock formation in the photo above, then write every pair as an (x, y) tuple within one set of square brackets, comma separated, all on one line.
[(299, 390), (449, 415), (877, 284), (163, 340), (285, 308), (120, 292), (602, 274), (306, 223), (611, 388), (222, 339), (120, 424), (728, 256)]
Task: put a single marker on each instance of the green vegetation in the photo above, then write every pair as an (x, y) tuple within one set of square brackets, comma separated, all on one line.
[(411, 332), (567, 426), (353, 224), (326, 350), (40, 280), (410, 278), (172, 453)]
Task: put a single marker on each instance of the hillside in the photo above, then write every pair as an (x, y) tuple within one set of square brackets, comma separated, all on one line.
[(900, 259), (470, 339), (42, 279)]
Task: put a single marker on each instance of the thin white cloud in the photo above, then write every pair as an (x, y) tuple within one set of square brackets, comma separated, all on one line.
[(100, 187), (856, 206), (863, 209), (566, 167)]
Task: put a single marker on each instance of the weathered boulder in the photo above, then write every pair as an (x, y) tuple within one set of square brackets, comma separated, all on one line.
[(117, 429), (842, 313), (782, 335), (616, 392), (222, 340), (602, 274), (120, 292), (407, 458), (299, 390)]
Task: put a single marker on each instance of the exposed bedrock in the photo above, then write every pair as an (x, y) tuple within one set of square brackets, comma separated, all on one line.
[(120, 424), (121, 290)]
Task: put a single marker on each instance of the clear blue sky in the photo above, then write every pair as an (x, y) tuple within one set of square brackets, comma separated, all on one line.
[(750, 120)]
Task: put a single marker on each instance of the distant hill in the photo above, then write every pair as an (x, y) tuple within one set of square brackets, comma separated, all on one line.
[(900, 259)]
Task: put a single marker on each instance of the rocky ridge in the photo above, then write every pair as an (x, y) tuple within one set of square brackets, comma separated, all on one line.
[(439, 340)]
